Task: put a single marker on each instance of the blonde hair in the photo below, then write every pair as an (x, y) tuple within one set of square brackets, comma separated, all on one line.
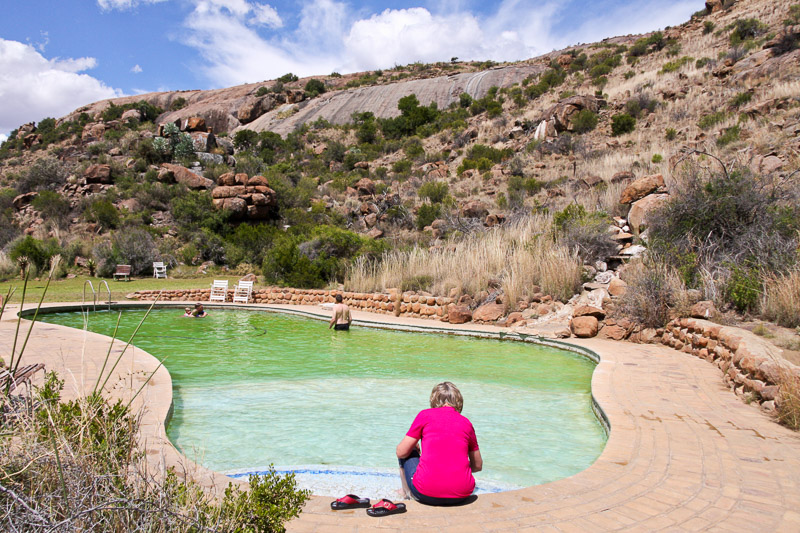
[(447, 394)]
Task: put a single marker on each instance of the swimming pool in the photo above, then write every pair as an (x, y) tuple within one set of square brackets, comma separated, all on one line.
[(252, 388)]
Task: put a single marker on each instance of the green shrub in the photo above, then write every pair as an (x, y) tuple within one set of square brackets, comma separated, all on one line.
[(412, 117), (427, 213), (657, 158), (794, 15), (288, 78), (743, 288), (712, 119), (103, 213), (402, 166), (271, 501), (745, 29), (670, 134), (674, 66), (584, 121), (178, 103), (38, 252), (314, 87), (741, 99), (729, 135), (194, 210), (435, 191), (47, 173), (585, 233), (708, 27), (622, 123), (53, 207)]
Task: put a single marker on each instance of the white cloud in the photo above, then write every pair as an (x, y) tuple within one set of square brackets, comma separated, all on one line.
[(136, 69), (3, 138), (36, 87), (108, 5), (237, 42)]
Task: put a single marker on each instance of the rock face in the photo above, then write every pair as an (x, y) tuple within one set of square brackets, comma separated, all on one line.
[(24, 199), (562, 113), (641, 188), (183, 175), (474, 209), (246, 198)]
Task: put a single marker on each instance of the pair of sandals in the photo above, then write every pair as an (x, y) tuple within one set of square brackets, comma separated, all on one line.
[(382, 508)]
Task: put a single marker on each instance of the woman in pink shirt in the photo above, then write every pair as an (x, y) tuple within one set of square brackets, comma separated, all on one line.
[(439, 470)]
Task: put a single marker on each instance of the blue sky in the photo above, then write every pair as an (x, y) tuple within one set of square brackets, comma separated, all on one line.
[(56, 55)]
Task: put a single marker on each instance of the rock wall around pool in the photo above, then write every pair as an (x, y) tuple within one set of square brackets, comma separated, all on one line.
[(390, 303)]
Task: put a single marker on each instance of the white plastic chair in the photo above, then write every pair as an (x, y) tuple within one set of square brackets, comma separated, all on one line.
[(242, 291), (219, 290), (159, 270)]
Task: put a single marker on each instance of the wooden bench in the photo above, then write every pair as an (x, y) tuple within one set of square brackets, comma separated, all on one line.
[(123, 271), (9, 382)]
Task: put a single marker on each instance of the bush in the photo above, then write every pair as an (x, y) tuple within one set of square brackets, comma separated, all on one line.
[(314, 87), (178, 103), (53, 207), (134, 246), (741, 99), (622, 123), (435, 191), (654, 289), (670, 134), (743, 288), (745, 29), (38, 252), (47, 173), (288, 78), (674, 66), (734, 225), (708, 27), (585, 233), (712, 119), (584, 121), (657, 158), (728, 136), (427, 213)]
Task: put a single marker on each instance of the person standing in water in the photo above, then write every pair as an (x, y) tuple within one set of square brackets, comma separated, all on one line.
[(341, 318)]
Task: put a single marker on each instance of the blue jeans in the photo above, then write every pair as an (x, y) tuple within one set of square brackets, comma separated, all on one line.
[(409, 466)]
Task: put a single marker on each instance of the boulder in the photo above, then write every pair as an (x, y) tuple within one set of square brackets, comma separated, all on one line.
[(622, 176), (249, 277), (254, 107), (617, 287), (365, 186), (584, 326), (458, 314), (561, 113), (494, 220), (375, 233), (489, 312), (641, 188), (93, 132), (24, 199), (612, 332), (132, 114), (237, 207), (704, 309), (205, 158), (98, 174), (195, 124), (712, 6), (474, 209), (591, 181), (184, 176), (588, 310), (227, 179), (258, 181), (203, 142), (770, 164), (640, 209)]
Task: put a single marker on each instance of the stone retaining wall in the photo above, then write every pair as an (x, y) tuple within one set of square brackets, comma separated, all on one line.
[(407, 304), (751, 365)]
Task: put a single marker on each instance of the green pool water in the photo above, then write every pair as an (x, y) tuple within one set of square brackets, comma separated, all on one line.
[(253, 388)]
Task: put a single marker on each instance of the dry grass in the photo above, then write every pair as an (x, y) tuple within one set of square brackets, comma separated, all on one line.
[(788, 403), (655, 293), (781, 299), (519, 256)]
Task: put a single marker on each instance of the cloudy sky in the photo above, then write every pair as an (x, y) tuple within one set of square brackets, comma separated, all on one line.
[(56, 55)]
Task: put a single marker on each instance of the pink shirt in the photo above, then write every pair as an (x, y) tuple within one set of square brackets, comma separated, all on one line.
[(447, 437)]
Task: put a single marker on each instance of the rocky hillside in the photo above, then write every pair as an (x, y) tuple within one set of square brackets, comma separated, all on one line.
[(666, 162)]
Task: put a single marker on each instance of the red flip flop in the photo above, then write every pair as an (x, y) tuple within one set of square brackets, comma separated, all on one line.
[(350, 501), (385, 508)]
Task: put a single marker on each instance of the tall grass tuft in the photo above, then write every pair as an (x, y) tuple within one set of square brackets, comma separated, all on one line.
[(781, 299), (789, 400), (520, 255)]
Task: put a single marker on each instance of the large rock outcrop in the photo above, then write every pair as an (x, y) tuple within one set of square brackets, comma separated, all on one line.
[(246, 198)]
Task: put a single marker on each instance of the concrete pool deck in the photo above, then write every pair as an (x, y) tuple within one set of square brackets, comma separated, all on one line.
[(684, 453)]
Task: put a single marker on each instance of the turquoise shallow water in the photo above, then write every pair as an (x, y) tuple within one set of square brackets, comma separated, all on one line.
[(254, 388)]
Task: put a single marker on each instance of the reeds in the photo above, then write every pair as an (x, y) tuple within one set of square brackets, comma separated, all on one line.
[(520, 256)]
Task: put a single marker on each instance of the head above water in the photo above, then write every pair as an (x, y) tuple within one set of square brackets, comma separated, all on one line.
[(338, 298), (198, 304), (447, 394)]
